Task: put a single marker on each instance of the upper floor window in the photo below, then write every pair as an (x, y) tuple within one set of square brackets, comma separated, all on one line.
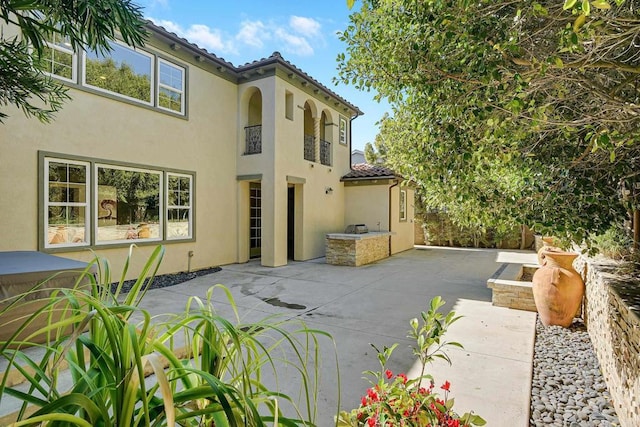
[(343, 130), (122, 71), (170, 86), (58, 58)]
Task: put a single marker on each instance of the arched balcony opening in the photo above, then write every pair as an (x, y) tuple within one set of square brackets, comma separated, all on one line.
[(326, 139), (253, 130), (309, 134)]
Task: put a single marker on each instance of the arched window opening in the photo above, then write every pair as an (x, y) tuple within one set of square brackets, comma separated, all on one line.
[(253, 131)]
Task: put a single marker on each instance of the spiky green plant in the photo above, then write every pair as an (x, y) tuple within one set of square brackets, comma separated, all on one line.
[(218, 383)]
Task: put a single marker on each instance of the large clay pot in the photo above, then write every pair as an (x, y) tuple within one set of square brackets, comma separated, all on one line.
[(557, 288), (548, 242)]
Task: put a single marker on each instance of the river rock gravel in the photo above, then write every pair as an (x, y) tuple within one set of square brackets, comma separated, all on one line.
[(567, 388), (165, 280)]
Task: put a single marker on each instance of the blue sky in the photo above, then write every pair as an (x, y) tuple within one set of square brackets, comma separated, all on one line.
[(303, 31)]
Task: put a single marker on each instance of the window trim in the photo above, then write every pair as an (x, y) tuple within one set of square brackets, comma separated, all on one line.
[(74, 62), (167, 207), (342, 136), (152, 77), (92, 182), (46, 203), (159, 86), (402, 213)]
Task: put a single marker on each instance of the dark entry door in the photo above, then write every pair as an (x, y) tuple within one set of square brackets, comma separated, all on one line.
[(255, 232), (291, 205)]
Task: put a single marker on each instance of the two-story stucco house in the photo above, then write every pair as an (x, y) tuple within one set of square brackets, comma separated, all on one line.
[(171, 144)]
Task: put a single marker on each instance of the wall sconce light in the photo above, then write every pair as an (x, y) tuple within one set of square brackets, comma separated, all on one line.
[(328, 190)]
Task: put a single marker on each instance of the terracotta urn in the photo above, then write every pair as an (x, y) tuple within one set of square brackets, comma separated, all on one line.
[(547, 243), (557, 288)]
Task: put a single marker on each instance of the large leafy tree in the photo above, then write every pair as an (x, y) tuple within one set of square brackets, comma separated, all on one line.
[(506, 111), (85, 24)]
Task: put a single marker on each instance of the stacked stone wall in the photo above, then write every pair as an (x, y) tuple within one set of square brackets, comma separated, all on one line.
[(356, 252), (611, 314)]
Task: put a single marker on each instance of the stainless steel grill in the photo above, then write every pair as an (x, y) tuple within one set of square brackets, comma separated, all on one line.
[(356, 229)]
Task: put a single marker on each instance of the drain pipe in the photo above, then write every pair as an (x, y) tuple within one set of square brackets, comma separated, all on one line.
[(396, 182)]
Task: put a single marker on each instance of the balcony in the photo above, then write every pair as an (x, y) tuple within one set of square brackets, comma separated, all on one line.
[(253, 138), (309, 148), (325, 152)]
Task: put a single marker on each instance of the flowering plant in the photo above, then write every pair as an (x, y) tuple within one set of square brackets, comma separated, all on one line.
[(395, 400)]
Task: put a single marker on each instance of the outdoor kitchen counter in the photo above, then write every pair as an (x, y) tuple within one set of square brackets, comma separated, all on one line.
[(357, 249)]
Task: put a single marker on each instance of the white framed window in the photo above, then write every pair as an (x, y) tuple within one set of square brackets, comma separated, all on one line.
[(179, 210), (342, 128), (123, 71), (128, 204), (58, 58), (403, 205), (171, 81), (66, 203)]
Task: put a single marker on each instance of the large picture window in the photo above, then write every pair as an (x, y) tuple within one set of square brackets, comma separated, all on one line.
[(122, 71), (88, 202), (128, 204), (66, 205)]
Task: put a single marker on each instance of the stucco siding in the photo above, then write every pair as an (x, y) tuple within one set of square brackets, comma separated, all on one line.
[(98, 127)]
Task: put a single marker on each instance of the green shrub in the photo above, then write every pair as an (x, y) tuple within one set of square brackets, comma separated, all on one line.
[(219, 382)]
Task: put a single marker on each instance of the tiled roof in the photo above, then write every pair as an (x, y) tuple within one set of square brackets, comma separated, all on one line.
[(367, 171), (275, 58)]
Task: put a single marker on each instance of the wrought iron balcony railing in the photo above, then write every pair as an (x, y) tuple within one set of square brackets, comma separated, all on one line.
[(325, 152), (309, 148), (253, 139)]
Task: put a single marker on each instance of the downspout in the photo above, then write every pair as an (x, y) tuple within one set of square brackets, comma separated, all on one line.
[(351, 119), (390, 188)]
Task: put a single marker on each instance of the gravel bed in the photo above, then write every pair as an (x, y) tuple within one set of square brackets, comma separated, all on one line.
[(165, 280), (567, 387)]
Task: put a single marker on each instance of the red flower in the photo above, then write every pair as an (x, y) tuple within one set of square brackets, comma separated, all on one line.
[(388, 373), (364, 401), (373, 395), (372, 421), (404, 378), (446, 386)]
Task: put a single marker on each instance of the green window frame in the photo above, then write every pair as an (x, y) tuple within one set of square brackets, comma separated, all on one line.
[(89, 202), (66, 203)]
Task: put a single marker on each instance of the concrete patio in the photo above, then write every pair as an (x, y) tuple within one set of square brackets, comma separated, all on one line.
[(374, 304)]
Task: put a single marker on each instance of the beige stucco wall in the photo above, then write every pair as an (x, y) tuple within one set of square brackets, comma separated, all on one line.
[(281, 165), (368, 203), (98, 127), (402, 238)]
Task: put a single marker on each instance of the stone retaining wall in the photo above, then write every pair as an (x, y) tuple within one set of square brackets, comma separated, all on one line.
[(611, 314)]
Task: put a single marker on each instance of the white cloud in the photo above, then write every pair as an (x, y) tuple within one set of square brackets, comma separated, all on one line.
[(308, 27), (253, 33), (293, 44), (297, 38), (211, 39)]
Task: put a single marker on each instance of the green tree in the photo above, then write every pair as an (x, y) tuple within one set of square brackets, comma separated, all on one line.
[(507, 112), (86, 24)]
